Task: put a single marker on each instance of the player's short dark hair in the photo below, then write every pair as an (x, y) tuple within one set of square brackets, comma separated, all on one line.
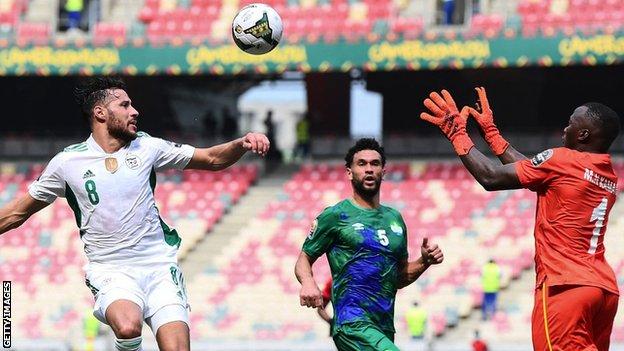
[(607, 120), (365, 144), (92, 91)]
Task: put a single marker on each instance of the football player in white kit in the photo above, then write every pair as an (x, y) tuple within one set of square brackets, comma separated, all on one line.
[(109, 181)]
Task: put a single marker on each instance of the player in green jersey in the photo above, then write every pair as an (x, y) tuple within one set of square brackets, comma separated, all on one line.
[(366, 245)]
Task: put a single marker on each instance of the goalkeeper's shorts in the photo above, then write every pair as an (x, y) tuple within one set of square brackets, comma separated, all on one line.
[(573, 317)]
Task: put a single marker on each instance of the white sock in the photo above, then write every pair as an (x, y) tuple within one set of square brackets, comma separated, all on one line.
[(133, 344)]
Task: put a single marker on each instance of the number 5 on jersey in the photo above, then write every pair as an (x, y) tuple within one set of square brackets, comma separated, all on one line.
[(94, 198), (383, 238)]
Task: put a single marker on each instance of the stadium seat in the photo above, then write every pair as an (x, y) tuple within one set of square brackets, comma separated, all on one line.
[(587, 16), (109, 33), (33, 33)]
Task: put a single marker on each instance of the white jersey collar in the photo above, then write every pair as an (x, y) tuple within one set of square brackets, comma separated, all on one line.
[(91, 143)]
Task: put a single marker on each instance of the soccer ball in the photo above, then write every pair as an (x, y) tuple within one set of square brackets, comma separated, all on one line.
[(257, 29)]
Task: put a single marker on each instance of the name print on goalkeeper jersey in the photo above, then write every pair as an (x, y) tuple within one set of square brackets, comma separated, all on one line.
[(364, 248)]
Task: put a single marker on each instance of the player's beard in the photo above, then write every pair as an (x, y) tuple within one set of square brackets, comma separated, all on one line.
[(367, 193), (119, 130)]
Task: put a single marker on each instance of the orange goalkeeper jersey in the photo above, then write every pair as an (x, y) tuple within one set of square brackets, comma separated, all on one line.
[(575, 193)]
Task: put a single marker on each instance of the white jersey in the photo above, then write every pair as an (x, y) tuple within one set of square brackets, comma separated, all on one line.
[(112, 196)]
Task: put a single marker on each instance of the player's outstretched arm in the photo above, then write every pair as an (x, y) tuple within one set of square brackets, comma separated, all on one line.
[(222, 156), (490, 175), (16, 212), (485, 118), (410, 271), (310, 295)]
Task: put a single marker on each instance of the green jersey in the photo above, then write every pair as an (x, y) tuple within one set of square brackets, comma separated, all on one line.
[(364, 248)]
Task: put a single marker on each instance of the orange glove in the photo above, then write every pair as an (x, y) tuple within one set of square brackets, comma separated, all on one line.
[(449, 120), (485, 118)]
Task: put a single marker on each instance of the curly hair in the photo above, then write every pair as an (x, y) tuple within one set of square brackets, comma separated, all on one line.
[(365, 144), (93, 91)]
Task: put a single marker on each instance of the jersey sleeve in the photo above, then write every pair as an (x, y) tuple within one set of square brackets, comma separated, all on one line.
[(539, 171), (169, 154), (404, 252), (51, 183), (322, 234)]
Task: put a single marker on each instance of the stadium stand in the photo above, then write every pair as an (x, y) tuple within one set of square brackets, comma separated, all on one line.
[(45, 254), (33, 33), (169, 21), (588, 16), (9, 15), (109, 33)]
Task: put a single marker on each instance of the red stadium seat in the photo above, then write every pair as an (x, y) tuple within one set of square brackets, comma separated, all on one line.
[(105, 33), (9, 18), (587, 16), (36, 33), (147, 14)]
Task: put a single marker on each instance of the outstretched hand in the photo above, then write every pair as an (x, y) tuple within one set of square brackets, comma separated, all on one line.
[(445, 114), (485, 117), (431, 254), (257, 143), (449, 119)]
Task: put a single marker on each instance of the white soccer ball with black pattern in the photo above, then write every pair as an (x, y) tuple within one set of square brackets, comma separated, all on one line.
[(257, 29)]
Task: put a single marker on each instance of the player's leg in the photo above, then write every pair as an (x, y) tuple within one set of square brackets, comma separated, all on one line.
[(118, 302), (563, 317), (362, 337), (126, 319), (169, 324), (167, 308), (603, 321), (174, 336)]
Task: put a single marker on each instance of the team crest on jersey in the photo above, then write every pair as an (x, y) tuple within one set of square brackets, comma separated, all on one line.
[(313, 228), (111, 164), (541, 157), (133, 161), (397, 229)]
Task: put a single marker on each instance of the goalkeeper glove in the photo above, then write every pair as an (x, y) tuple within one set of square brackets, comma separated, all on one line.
[(449, 120), (485, 119)]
